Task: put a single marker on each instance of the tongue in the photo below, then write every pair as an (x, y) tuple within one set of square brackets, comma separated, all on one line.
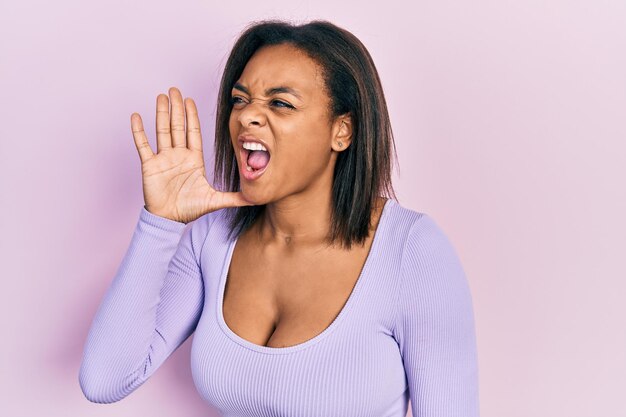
[(258, 159)]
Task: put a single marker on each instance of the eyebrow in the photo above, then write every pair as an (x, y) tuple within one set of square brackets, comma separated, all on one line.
[(271, 91)]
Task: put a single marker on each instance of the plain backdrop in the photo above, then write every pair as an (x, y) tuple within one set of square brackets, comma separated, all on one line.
[(509, 120)]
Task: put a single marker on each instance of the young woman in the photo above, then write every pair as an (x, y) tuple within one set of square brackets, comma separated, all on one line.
[(310, 293)]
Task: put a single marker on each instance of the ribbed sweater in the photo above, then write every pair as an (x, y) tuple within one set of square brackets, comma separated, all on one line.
[(406, 332)]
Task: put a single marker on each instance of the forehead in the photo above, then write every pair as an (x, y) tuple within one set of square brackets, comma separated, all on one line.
[(283, 65)]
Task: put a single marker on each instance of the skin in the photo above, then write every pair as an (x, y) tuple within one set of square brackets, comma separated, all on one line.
[(303, 144), (302, 283), (174, 181)]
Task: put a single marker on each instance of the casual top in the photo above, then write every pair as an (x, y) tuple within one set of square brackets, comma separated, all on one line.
[(405, 332)]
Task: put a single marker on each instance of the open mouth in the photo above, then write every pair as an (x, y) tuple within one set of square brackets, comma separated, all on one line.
[(253, 162)]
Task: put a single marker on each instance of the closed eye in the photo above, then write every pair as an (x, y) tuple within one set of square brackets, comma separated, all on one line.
[(282, 102), (233, 101)]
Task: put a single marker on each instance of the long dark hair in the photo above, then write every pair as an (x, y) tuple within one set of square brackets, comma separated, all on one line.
[(363, 171)]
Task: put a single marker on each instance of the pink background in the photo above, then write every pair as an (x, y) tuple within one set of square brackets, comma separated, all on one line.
[(510, 124)]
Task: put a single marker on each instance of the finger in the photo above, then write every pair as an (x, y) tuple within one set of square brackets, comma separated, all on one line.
[(177, 121), (194, 137), (164, 140), (139, 136)]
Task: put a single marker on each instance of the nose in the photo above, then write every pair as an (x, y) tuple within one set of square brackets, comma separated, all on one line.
[(250, 115)]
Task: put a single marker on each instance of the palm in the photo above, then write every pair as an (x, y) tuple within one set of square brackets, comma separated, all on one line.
[(174, 182)]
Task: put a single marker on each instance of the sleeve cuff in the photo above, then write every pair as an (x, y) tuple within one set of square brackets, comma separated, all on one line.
[(161, 222)]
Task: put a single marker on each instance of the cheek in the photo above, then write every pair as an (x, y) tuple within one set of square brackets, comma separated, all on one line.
[(303, 154), (313, 142), (233, 130), (232, 123)]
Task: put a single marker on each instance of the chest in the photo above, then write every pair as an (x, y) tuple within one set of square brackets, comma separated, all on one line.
[(355, 369), (279, 299)]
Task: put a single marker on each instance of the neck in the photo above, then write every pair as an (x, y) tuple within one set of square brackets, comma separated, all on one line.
[(302, 219)]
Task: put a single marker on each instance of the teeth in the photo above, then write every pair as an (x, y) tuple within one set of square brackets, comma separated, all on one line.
[(255, 146)]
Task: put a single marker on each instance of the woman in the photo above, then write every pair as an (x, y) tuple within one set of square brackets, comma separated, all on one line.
[(309, 293)]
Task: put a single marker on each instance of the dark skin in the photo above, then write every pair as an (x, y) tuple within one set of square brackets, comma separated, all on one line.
[(303, 143), (302, 283)]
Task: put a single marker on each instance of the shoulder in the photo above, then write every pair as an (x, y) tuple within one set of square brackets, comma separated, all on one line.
[(422, 244), (432, 278), (434, 292), (426, 238), (426, 245), (398, 222)]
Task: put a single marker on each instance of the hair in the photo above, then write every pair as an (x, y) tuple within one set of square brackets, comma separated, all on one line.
[(362, 171)]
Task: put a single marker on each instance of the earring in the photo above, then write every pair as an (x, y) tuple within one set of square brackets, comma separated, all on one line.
[(340, 143)]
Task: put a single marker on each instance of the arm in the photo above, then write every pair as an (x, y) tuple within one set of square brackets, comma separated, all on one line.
[(151, 307), (435, 326)]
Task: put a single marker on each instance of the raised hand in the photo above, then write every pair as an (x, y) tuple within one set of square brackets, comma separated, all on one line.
[(174, 182)]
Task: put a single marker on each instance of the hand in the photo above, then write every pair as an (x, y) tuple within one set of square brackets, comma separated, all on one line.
[(174, 182)]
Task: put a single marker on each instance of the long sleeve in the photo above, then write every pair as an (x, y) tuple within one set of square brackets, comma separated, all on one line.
[(435, 326), (151, 307)]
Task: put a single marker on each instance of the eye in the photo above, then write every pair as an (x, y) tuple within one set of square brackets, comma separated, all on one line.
[(238, 100), (286, 105), (233, 100)]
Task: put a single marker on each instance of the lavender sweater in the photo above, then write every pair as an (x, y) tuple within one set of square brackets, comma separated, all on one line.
[(405, 333)]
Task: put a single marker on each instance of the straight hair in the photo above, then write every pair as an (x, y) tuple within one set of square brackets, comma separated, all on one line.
[(362, 171)]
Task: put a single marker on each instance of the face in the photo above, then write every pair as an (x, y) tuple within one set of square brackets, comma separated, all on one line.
[(293, 122)]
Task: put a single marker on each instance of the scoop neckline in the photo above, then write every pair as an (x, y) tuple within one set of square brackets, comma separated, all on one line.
[(352, 298)]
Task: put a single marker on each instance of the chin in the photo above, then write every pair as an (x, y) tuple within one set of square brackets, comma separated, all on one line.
[(256, 197)]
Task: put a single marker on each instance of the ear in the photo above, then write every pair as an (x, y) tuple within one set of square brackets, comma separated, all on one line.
[(342, 133)]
